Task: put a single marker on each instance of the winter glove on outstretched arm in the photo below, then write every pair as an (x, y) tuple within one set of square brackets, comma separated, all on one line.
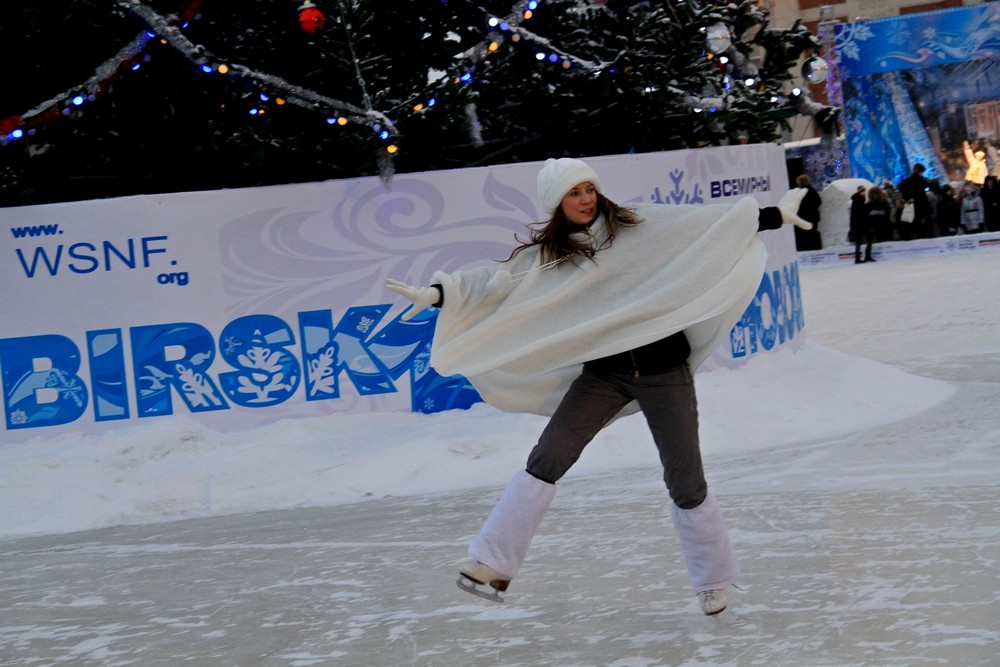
[(789, 207), (422, 297)]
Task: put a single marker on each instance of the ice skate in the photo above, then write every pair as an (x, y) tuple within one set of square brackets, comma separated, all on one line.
[(712, 602), (482, 580)]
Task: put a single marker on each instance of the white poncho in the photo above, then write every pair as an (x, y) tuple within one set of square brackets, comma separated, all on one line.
[(520, 332)]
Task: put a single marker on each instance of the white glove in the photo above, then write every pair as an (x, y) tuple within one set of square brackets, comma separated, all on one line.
[(422, 297), (789, 207)]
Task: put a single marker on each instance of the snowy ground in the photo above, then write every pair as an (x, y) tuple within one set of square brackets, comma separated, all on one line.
[(858, 476)]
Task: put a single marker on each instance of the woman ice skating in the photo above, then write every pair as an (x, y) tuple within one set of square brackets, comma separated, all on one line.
[(604, 311)]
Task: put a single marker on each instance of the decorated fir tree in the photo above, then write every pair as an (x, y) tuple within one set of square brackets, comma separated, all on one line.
[(129, 96)]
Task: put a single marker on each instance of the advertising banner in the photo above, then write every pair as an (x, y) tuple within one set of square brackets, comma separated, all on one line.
[(243, 307), (916, 87), (913, 41)]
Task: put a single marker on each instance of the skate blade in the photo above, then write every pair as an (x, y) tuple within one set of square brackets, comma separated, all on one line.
[(470, 586)]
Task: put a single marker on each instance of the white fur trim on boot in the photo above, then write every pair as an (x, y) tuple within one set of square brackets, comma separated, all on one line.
[(711, 562), (503, 541)]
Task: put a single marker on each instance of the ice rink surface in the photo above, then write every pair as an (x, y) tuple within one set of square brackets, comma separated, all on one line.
[(877, 547)]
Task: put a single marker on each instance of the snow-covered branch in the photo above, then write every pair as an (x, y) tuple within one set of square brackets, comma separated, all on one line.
[(297, 95)]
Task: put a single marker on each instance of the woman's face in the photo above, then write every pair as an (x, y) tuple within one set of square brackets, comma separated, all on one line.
[(579, 205)]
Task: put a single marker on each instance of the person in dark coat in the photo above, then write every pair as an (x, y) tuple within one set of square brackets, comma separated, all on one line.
[(991, 203), (859, 214), (914, 189), (933, 197), (877, 212), (859, 229), (808, 210), (948, 212)]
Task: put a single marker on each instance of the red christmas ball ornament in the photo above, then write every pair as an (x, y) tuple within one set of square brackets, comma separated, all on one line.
[(9, 124), (311, 19)]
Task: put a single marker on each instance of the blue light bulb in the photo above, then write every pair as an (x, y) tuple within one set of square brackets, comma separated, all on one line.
[(432, 102), (17, 134), (384, 134), (206, 69), (78, 100)]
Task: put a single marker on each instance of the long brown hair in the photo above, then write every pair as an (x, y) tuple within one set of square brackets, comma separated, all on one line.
[(553, 235)]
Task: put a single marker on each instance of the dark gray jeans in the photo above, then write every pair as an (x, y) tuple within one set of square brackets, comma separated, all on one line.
[(671, 409)]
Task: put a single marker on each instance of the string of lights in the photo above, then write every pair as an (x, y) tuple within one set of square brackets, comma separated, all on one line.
[(168, 31)]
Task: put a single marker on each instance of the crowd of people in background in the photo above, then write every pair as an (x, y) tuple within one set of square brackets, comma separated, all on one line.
[(921, 208), (917, 208), (938, 210)]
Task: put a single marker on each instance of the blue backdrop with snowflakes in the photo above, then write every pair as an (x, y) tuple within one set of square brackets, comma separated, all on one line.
[(907, 82)]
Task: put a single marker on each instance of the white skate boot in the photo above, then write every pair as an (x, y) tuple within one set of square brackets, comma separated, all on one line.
[(504, 538), (712, 602), (473, 574)]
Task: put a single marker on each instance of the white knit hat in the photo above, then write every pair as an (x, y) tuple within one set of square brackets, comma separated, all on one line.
[(558, 177)]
